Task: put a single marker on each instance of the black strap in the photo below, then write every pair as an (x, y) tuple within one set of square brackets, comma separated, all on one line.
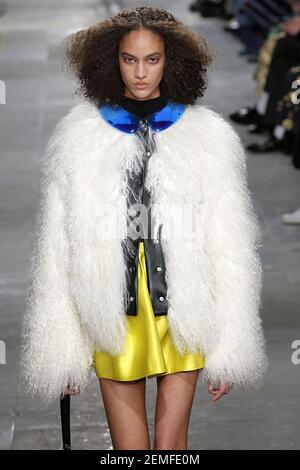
[(65, 421)]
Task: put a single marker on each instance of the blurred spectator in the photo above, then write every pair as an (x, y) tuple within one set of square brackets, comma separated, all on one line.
[(270, 33), (264, 59), (210, 8), (252, 19), (284, 55), (255, 19), (286, 117)]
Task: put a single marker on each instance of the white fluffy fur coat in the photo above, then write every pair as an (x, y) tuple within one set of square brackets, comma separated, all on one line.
[(75, 301)]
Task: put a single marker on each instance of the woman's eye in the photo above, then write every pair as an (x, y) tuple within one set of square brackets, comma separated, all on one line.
[(152, 60)]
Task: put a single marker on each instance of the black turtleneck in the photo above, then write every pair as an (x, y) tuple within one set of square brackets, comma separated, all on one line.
[(143, 108)]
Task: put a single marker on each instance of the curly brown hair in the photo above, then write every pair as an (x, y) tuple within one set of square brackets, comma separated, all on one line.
[(92, 56)]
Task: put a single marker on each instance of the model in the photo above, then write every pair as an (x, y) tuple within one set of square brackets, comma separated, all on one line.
[(146, 256)]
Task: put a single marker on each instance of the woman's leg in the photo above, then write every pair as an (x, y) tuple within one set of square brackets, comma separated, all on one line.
[(175, 393), (125, 408)]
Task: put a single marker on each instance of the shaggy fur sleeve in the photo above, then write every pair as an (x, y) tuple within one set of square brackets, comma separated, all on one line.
[(55, 350), (239, 356)]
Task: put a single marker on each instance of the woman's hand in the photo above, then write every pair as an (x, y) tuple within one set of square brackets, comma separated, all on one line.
[(71, 390), (223, 389)]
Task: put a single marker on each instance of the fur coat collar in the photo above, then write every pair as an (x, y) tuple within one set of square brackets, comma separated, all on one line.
[(197, 175)]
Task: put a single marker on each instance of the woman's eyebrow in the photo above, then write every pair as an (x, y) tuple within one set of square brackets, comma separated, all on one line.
[(131, 55)]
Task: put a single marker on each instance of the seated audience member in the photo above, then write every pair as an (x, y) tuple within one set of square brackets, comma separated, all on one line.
[(283, 134)]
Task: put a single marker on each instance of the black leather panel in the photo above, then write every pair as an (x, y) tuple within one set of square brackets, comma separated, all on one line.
[(140, 230)]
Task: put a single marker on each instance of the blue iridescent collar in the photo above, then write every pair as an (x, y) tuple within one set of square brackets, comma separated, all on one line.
[(124, 121)]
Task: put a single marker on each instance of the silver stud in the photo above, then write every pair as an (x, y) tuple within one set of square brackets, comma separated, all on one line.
[(148, 154), (161, 299), (158, 268), (156, 241), (132, 298)]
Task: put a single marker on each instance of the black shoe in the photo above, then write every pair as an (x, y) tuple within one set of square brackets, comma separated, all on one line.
[(272, 144), (212, 10), (228, 16), (258, 128), (195, 6), (246, 116)]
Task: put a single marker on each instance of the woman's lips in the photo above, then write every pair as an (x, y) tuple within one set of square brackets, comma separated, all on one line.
[(141, 86)]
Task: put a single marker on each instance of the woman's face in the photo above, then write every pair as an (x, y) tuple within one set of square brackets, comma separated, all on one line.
[(141, 59)]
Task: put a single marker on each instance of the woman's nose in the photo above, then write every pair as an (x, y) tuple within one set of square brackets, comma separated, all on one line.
[(140, 71)]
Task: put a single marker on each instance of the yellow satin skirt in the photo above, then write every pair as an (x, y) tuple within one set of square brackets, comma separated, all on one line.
[(149, 349)]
